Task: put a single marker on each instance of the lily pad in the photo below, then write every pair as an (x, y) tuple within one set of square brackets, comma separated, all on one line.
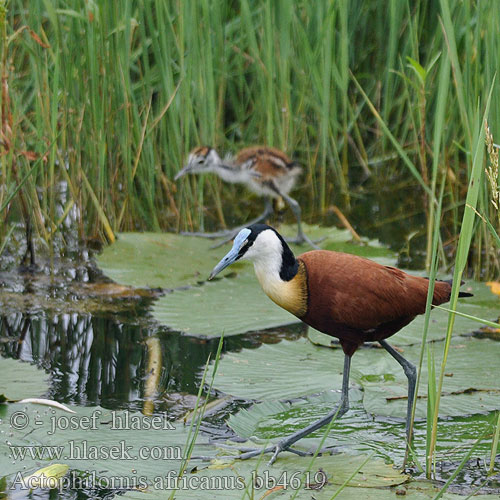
[(169, 260), (286, 370), (86, 442), (20, 380), (415, 490), (297, 368), (78, 441), (112, 443), (356, 432), (272, 419), (157, 260), (231, 305), (470, 385), (248, 479), (340, 240)]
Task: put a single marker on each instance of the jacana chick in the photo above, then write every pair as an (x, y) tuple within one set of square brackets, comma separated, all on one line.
[(345, 296), (266, 171)]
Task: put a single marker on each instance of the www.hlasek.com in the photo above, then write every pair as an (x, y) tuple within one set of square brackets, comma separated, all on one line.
[(171, 481), (82, 450)]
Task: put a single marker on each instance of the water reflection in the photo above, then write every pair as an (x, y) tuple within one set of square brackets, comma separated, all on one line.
[(102, 360), (95, 360)]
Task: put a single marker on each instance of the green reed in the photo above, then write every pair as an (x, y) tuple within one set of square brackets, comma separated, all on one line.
[(122, 92)]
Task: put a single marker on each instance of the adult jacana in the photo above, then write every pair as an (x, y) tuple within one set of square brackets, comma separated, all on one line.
[(345, 296), (266, 171)]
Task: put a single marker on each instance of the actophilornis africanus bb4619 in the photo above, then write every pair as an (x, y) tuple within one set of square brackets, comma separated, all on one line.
[(266, 171), (345, 296)]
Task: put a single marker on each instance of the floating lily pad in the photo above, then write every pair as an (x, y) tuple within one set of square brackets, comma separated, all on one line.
[(292, 369), (20, 380), (470, 385), (201, 480), (274, 419), (169, 260), (243, 480), (376, 480), (340, 240), (231, 305), (285, 370), (83, 443), (157, 260), (83, 440), (356, 432)]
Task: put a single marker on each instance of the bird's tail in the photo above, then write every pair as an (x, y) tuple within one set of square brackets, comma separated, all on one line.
[(460, 294)]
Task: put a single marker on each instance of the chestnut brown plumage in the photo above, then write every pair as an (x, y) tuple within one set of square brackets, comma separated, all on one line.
[(345, 296), (358, 300), (266, 171)]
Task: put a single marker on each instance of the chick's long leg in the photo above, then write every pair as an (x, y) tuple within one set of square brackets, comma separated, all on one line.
[(268, 210), (229, 234), (337, 412), (294, 205)]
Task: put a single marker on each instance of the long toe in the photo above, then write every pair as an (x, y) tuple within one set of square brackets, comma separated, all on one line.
[(255, 453), (276, 449)]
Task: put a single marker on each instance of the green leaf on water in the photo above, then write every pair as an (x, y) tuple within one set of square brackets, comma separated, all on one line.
[(102, 433), (292, 369), (283, 479), (271, 420), (469, 384), (285, 370), (20, 380), (160, 474), (85, 438), (169, 260), (157, 260), (230, 305)]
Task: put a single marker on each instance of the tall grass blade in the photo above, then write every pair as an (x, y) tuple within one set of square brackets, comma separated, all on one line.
[(494, 446), (462, 252)]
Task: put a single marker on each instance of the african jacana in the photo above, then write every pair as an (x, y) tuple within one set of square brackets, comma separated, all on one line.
[(266, 171), (345, 296)]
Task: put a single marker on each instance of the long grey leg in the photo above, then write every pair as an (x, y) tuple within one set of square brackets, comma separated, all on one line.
[(411, 375), (229, 234), (268, 210), (337, 412), (294, 205)]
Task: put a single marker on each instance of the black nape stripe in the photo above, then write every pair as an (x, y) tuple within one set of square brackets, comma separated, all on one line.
[(289, 264)]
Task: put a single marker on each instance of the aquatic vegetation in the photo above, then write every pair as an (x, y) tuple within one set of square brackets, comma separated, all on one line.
[(99, 97)]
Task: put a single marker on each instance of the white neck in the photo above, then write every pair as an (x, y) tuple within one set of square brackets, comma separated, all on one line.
[(232, 174), (266, 254)]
